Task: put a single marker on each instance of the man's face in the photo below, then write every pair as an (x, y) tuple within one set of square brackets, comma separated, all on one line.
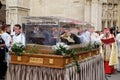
[(36, 28), (8, 29), (17, 30)]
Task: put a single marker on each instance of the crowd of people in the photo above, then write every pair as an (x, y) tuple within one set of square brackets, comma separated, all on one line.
[(6, 41)]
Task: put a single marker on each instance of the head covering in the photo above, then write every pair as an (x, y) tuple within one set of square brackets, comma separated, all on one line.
[(67, 37)]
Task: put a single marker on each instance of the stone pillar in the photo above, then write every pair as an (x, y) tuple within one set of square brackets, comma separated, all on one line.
[(95, 14), (99, 16), (15, 10), (10, 16), (119, 17), (87, 11)]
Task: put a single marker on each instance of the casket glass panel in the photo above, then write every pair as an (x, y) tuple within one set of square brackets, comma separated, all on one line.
[(42, 34), (49, 31)]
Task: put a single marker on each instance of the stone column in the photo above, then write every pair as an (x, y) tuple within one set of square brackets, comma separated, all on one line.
[(15, 10), (10, 16), (87, 11), (119, 17), (99, 16), (95, 14)]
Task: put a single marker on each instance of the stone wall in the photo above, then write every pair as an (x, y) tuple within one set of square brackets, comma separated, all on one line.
[(65, 8), (90, 11)]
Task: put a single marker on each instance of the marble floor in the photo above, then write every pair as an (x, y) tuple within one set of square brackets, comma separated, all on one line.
[(115, 76)]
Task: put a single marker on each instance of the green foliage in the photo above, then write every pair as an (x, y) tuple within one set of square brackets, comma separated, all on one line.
[(33, 50), (72, 54), (18, 48), (96, 44), (61, 50)]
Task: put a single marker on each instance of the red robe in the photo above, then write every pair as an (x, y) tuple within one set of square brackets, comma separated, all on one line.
[(107, 47)]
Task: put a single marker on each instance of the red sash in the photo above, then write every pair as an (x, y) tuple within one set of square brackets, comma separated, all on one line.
[(108, 41)]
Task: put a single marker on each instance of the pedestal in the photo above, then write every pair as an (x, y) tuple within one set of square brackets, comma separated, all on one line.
[(90, 69)]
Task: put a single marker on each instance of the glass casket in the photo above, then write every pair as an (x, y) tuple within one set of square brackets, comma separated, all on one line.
[(50, 30)]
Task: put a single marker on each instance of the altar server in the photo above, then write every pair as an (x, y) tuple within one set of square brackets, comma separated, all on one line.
[(18, 37)]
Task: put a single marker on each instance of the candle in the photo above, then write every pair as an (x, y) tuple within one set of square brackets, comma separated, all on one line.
[(12, 25)]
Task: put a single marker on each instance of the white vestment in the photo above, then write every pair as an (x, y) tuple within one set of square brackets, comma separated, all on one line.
[(19, 39)]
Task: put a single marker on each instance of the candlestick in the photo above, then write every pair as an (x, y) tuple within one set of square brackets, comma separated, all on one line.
[(12, 25)]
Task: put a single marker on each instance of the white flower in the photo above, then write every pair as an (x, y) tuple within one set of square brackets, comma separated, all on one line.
[(61, 48), (66, 46), (57, 46), (19, 44)]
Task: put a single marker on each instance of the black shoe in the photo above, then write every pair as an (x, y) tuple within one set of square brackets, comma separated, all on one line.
[(108, 75), (2, 78)]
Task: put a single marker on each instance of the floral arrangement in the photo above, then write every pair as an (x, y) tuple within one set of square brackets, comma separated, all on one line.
[(61, 48), (96, 44), (18, 48)]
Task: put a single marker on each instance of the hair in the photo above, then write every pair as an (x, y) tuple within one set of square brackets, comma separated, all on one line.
[(8, 25), (18, 25), (1, 23), (2, 28)]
